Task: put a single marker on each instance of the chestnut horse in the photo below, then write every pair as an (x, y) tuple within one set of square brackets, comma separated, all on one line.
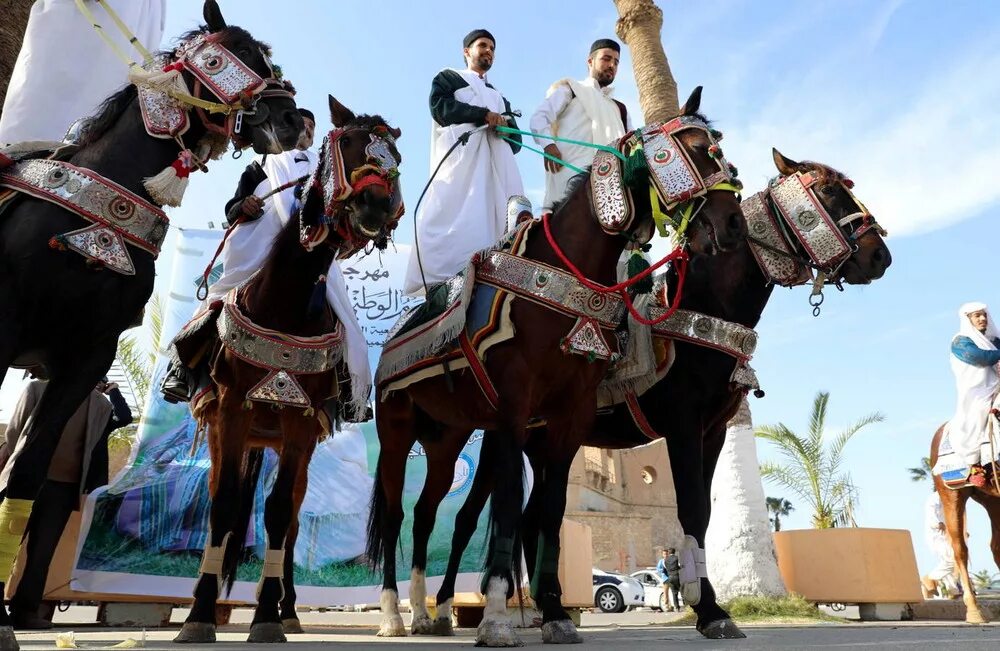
[(692, 404), (534, 378), (63, 312), (277, 346), (953, 503)]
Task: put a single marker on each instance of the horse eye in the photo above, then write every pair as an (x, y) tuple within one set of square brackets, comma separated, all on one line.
[(828, 189)]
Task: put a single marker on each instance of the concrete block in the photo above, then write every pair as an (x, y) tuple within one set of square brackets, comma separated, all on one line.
[(882, 612), (135, 615)]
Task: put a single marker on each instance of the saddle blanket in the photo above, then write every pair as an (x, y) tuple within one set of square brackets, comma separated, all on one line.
[(954, 472)]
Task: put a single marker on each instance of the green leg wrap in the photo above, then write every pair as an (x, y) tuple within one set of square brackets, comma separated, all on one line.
[(14, 516), (503, 556), (546, 562)]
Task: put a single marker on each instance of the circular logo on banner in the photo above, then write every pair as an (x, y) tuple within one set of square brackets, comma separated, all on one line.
[(464, 470)]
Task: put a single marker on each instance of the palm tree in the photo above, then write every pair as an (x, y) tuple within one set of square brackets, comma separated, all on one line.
[(981, 579), (739, 548), (136, 364), (639, 23), (812, 470), (779, 506), (923, 472), (12, 29)]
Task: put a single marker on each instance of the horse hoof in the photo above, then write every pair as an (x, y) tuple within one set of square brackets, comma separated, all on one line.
[(196, 633), (442, 627), (975, 617), (266, 633), (292, 626), (392, 627), (561, 631), (493, 633), (722, 629), (422, 626), (8, 641)]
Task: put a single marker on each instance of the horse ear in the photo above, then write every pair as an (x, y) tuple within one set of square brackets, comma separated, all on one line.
[(396, 133), (339, 114), (693, 103), (213, 16), (786, 166)]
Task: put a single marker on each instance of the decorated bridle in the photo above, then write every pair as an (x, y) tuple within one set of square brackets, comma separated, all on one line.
[(336, 185), (674, 180), (796, 240), (653, 152)]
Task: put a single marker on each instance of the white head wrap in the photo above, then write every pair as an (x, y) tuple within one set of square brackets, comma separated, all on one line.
[(966, 329)]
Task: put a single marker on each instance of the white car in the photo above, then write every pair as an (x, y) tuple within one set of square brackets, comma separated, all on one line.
[(615, 593), (653, 589)]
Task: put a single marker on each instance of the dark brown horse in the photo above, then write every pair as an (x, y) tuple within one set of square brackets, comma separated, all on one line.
[(953, 503), (534, 378), (60, 312), (275, 369), (692, 404)]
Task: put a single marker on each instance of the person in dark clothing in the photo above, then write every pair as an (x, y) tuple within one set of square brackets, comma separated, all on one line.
[(674, 572), (79, 466)]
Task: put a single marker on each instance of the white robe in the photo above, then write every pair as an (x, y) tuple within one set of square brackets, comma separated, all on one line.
[(249, 244), (578, 110), (977, 389), (465, 209), (938, 541), (64, 70)]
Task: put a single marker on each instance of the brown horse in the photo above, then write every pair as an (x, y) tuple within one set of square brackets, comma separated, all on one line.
[(62, 311), (278, 348), (693, 403), (533, 378), (953, 503)]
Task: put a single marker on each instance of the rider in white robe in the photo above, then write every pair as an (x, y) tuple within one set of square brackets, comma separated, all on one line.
[(582, 110), (64, 71), (465, 209), (939, 542), (975, 360)]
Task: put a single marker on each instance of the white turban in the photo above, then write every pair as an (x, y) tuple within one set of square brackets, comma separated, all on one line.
[(966, 329)]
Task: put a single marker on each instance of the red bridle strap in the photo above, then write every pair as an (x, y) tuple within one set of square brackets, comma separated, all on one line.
[(369, 180), (678, 255)]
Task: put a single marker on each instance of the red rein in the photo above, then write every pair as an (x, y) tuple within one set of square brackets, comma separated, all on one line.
[(622, 288)]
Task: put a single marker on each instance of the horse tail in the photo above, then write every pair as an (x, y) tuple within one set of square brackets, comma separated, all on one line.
[(375, 546), (507, 495), (234, 551)]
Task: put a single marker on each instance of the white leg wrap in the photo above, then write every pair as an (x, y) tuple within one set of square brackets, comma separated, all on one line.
[(418, 594), (274, 568), (692, 570), (212, 558)]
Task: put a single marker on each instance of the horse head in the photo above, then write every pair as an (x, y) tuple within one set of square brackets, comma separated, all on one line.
[(226, 64), (867, 256), (689, 183), (357, 180)]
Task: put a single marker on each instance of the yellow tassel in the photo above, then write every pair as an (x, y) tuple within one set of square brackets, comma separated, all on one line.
[(309, 412), (247, 405), (14, 516)]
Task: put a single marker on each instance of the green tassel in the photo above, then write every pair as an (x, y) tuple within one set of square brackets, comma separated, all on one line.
[(636, 170), (637, 263)]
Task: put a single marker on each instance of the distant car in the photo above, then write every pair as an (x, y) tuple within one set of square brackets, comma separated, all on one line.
[(615, 593), (653, 589)]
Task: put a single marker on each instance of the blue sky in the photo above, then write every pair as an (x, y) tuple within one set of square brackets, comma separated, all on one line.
[(901, 95)]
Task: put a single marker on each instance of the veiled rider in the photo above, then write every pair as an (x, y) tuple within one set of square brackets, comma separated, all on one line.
[(975, 360)]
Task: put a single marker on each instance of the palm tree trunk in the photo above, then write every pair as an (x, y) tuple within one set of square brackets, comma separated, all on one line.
[(739, 546), (638, 26), (12, 28)]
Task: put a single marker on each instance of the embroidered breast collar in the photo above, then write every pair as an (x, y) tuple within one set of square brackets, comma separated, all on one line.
[(283, 356), (118, 216)]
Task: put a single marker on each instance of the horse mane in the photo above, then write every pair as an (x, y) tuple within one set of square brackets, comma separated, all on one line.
[(571, 186), (112, 108)]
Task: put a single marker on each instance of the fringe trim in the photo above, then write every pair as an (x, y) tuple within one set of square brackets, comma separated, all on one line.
[(636, 372)]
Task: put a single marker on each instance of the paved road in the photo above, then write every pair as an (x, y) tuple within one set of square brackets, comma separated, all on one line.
[(631, 631)]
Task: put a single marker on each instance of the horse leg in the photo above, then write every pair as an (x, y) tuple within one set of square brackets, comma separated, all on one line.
[(65, 392), (290, 623), (953, 505), (531, 518), (504, 553), (299, 437), (228, 426), (395, 420), (466, 523), (687, 463), (441, 458), (992, 505)]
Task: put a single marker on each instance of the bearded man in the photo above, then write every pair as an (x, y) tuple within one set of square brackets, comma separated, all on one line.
[(583, 110)]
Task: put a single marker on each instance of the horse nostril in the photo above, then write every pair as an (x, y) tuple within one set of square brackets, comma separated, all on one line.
[(737, 224)]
